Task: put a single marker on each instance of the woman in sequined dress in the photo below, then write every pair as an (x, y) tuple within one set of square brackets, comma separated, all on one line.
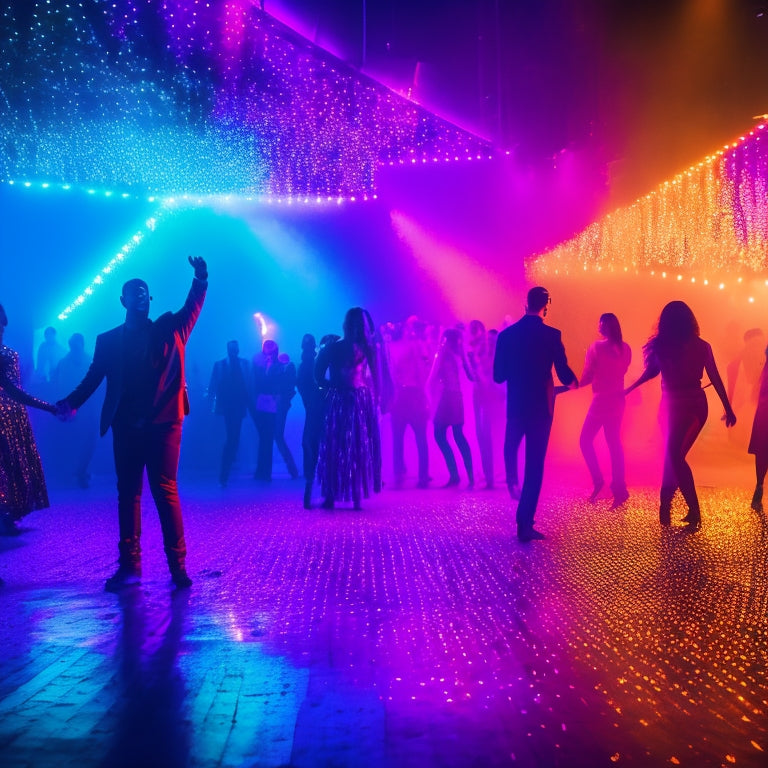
[(22, 484), (349, 462), (677, 352)]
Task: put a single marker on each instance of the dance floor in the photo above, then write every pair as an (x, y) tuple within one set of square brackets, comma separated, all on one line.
[(417, 632)]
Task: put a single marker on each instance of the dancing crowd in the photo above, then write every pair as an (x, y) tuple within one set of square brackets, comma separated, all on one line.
[(411, 371)]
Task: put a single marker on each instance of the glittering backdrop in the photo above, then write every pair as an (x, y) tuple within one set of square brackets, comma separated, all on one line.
[(708, 224), (187, 96)]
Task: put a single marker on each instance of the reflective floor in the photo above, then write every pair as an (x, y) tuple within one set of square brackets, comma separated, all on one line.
[(417, 632)]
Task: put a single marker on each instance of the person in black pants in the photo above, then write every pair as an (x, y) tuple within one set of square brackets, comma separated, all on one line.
[(312, 399), (267, 385), (145, 404), (229, 395), (525, 354)]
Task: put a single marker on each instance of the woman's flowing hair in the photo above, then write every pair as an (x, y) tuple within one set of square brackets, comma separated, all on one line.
[(677, 326), (360, 331), (612, 329)]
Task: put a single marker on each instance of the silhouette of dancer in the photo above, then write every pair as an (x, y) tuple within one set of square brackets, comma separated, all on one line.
[(680, 355), (81, 445), (48, 355), (410, 363), (287, 393), (483, 401), (229, 393), (349, 463), (525, 354), (743, 381), (450, 405), (267, 387), (604, 367), (22, 483), (145, 404), (311, 398), (758, 441)]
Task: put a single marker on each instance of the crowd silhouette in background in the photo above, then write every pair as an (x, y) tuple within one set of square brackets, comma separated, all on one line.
[(412, 372)]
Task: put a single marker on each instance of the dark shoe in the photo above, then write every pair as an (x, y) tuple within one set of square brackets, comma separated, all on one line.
[(514, 492), (125, 576), (452, 482), (619, 499), (665, 514), (530, 534), (693, 519), (423, 483), (181, 579), (327, 504), (596, 491), (308, 498), (757, 499), (8, 526)]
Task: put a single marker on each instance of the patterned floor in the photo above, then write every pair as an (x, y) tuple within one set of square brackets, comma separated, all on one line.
[(417, 632)]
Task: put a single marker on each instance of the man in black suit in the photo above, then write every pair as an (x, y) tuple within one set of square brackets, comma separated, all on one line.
[(268, 385), (145, 404), (525, 354), (230, 395)]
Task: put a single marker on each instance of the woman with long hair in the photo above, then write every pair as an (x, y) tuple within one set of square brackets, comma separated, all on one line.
[(349, 462), (480, 358), (680, 355), (606, 363), (22, 483), (450, 405)]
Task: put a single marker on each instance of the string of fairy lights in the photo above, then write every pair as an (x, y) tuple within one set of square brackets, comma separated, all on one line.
[(196, 103), (706, 226), (198, 97)]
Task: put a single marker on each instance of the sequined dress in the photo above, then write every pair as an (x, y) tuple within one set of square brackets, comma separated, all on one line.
[(349, 463), (22, 484)]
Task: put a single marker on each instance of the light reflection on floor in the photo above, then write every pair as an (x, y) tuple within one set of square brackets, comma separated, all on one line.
[(418, 632)]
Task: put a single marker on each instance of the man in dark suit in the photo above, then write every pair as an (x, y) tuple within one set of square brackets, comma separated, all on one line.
[(229, 392), (525, 354), (145, 403)]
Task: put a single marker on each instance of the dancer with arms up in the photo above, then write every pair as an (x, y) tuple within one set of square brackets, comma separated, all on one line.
[(145, 404), (680, 355)]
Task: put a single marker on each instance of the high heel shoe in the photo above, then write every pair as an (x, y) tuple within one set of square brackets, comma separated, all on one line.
[(757, 498), (619, 499), (693, 522), (596, 491)]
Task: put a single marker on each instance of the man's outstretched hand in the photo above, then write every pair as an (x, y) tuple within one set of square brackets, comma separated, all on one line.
[(200, 267)]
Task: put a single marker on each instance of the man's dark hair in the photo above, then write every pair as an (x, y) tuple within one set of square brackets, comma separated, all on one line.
[(538, 298)]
